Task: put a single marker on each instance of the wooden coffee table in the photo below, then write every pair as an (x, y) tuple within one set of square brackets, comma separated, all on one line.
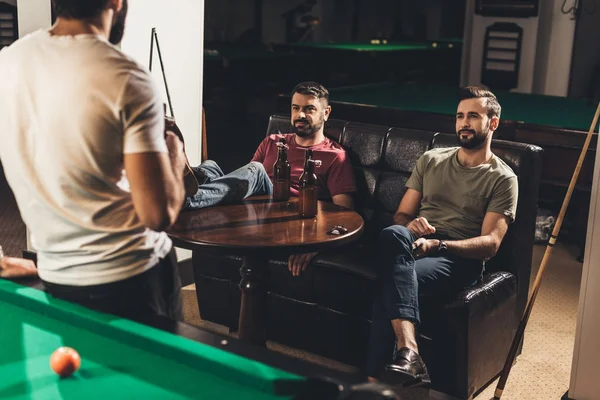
[(259, 229)]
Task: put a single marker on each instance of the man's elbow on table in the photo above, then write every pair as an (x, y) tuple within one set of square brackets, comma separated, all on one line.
[(343, 200), (159, 219)]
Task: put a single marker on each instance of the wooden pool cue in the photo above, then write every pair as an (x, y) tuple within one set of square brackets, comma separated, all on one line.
[(512, 354)]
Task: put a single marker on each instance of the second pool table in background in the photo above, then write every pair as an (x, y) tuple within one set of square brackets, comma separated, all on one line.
[(354, 63)]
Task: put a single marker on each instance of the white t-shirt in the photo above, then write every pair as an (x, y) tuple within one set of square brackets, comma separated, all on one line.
[(70, 108)]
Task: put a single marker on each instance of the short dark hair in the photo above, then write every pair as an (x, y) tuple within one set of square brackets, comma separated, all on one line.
[(312, 89), (78, 9), (481, 92)]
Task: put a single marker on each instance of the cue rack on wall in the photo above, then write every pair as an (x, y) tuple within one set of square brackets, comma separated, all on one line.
[(9, 29), (502, 55), (507, 8)]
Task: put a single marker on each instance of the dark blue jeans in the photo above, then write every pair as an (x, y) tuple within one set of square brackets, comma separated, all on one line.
[(249, 180), (401, 280)]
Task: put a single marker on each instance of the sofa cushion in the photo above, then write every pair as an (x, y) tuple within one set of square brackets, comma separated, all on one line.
[(356, 259), (390, 190), (404, 147), (366, 183), (364, 143)]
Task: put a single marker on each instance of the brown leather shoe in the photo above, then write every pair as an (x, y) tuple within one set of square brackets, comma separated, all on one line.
[(407, 369), (190, 181)]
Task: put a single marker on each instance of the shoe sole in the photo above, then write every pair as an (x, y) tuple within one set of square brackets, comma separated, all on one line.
[(398, 377)]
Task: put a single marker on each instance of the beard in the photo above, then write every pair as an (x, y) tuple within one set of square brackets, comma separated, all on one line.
[(476, 139), (118, 28), (308, 129)]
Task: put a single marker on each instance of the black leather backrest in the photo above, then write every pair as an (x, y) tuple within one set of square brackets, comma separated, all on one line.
[(282, 124), (517, 247)]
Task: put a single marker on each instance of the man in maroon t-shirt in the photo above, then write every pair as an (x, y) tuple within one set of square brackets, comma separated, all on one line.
[(335, 178)]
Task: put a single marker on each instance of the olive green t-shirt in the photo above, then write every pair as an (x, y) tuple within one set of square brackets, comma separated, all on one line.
[(456, 198)]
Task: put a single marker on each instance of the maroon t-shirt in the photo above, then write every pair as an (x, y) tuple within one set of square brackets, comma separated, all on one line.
[(334, 176)]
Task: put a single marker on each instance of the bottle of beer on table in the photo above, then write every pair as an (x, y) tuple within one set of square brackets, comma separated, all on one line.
[(307, 187), (281, 173)]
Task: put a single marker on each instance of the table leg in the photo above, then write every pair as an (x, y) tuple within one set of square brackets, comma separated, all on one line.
[(253, 310)]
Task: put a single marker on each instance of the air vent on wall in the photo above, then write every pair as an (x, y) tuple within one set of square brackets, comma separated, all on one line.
[(502, 55), (507, 8), (9, 30)]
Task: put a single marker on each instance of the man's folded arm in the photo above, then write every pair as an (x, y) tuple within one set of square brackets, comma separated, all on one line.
[(157, 190)]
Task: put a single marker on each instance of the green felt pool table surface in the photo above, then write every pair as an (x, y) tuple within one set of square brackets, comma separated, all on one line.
[(553, 111), (121, 359), (366, 46), (381, 47)]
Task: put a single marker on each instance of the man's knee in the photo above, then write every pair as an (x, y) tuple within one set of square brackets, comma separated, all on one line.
[(259, 167), (396, 235), (209, 164)]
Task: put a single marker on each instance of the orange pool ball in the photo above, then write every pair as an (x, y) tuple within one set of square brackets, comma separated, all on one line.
[(64, 361)]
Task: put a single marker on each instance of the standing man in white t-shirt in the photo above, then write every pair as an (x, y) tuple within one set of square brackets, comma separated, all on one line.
[(77, 116)]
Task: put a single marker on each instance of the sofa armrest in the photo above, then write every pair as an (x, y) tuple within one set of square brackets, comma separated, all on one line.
[(474, 329), (486, 296)]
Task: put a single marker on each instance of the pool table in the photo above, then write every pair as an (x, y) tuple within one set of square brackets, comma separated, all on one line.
[(549, 111), (368, 62), (122, 359)]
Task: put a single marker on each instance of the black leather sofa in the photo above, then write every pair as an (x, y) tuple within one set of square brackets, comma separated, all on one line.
[(464, 338)]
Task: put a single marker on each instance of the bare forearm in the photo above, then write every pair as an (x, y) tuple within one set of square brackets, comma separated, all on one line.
[(175, 190), (480, 247), (402, 218)]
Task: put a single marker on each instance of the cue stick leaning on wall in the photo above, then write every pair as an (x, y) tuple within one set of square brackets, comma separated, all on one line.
[(538, 279), (189, 178)]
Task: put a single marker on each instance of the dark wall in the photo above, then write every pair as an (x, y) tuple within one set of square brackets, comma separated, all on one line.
[(586, 53), (404, 19)]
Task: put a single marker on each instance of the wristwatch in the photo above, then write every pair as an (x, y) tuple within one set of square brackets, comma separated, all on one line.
[(442, 247)]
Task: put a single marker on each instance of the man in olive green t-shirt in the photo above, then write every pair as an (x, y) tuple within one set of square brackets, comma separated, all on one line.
[(453, 216)]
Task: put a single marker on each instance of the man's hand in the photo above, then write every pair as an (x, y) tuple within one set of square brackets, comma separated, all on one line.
[(423, 247), (171, 126), (421, 227), (176, 153), (12, 267), (179, 162), (297, 263)]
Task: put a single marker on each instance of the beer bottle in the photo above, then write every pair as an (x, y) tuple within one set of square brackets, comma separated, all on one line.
[(281, 173), (307, 187)]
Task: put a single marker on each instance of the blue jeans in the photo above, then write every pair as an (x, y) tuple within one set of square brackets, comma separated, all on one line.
[(249, 180), (402, 279)]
